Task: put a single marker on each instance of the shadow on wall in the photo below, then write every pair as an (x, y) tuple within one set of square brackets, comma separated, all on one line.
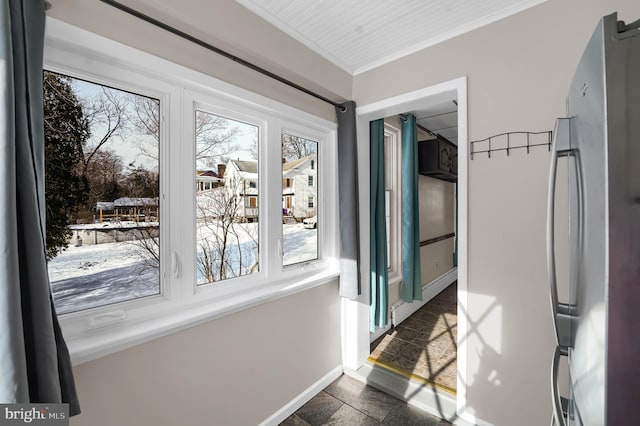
[(483, 363)]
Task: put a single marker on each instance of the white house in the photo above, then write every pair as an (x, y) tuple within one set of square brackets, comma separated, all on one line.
[(300, 187), (231, 360), (241, 178)]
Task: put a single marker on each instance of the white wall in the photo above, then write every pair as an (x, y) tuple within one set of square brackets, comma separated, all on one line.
[(519, 70), (237, 370)]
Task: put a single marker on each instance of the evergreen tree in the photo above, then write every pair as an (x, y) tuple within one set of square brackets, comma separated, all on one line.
[(66, 129)]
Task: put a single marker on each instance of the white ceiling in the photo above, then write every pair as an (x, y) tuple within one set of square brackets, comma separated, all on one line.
[(358, 35), (440, 118)]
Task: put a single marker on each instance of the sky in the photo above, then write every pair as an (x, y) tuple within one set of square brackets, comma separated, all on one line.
[(124, 147), (245, 138)]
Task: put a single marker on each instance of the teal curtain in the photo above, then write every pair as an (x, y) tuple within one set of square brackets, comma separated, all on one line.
[(379, 295), (411, 276), (34, 361)]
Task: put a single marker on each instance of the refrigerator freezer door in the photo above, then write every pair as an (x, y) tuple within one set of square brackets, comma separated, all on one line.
[(586, 107), (604, 106)]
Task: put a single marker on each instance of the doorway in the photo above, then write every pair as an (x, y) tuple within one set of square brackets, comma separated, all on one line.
[(355, 335)]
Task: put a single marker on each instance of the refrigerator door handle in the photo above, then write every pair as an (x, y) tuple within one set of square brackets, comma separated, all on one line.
[(561, 311), (558, 418)]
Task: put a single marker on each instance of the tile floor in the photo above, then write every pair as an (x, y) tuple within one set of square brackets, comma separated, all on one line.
[(349, 402), (423, 347)]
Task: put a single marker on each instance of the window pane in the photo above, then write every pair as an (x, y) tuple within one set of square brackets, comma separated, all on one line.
[(102, 186), (299, 195), (227, 208)]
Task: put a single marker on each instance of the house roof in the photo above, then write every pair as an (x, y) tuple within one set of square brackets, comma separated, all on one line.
[(295, 163), (293, 168), (208, 173), (105, 205), (135, 202), (126, 202), (249, 169), (246, 166)]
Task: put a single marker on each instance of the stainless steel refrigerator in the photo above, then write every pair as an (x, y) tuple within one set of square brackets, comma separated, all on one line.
[(598, 327)]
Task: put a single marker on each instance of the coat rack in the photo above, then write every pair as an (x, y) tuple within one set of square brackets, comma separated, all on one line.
[(510, 141)]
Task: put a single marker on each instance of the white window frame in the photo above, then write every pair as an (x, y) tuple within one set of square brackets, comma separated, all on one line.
[(326, 212), (100, 331), (392, 151)]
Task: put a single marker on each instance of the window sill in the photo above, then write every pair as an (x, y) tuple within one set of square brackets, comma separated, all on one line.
[(90, 346)]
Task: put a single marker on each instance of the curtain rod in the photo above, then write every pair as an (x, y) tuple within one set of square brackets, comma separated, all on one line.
[(217, 50), (403, 117)]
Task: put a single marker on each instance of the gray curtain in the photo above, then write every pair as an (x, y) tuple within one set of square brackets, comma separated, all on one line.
[(34, 360), (348, 201)]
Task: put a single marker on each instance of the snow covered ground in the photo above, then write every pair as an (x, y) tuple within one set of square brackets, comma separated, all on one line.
[(299, 244), (95, 275)]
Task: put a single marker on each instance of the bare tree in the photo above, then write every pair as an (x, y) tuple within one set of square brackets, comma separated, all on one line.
[(107, 116), (146, 120), (215, 138), (222, 254), (147, 242), (104, 176), (295, 147)]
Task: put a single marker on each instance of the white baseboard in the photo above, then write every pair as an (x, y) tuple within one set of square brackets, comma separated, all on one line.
[(292, 406), (426, 398), (433, 401), (402, 310), (379, 332)]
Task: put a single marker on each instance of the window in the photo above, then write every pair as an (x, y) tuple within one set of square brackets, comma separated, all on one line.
[(102, 190), (393, 199), (227, 217), (201, 243), (299, 160)]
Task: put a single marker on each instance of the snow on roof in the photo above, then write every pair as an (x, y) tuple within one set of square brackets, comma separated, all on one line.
[(105, 205), (126, 202)]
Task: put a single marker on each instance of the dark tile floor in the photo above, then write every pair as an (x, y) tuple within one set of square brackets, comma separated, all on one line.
[(350, 402), (424, 346)]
